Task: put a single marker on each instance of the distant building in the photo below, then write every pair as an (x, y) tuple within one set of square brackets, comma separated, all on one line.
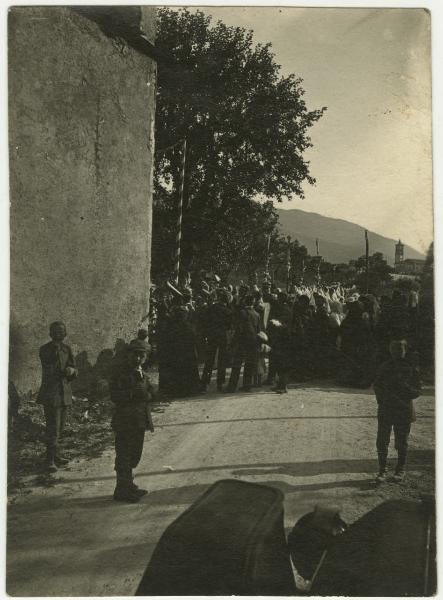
[(411, 266), (408, 266)]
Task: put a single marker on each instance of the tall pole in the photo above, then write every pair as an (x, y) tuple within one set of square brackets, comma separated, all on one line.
[(316, 247), (367, 260), (178, 230), (268, 256), (318, 270), (288, 263)]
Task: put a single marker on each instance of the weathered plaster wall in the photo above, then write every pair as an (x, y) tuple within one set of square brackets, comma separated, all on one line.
[(81, 118)]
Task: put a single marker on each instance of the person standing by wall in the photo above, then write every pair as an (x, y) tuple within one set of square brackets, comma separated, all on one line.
[(58, 370)]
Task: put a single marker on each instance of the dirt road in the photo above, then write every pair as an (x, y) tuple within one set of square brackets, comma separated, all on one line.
[(316, 444)]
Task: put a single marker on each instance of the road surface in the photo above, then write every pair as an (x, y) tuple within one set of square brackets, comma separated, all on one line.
[(316, 444)]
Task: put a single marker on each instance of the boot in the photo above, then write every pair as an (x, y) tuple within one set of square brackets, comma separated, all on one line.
[(399, 473), (125, 495), (140, 492), (51, 467), (124, 490), (382, 471)]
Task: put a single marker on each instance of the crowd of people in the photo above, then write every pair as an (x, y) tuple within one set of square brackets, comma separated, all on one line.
[(275, 336), (309, 332)]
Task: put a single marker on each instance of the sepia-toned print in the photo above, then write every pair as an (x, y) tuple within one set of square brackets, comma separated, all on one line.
[(221, 352)]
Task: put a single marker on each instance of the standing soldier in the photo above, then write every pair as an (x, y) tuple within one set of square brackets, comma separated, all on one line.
[(58, 370), (396, 385), (246, 345), (281, 344), (218, 320), (131, 392)]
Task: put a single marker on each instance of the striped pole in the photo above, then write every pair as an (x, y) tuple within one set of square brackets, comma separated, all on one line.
[(367, 259), (178, 230), (268, 257), (288, 263)]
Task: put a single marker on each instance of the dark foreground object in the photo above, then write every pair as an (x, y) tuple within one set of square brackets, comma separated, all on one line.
[(230, 541), (383, 554)]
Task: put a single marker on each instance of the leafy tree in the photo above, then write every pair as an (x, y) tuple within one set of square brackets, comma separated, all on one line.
[(246, 128), (427, 277), (233, 247), (279, 258), (345, 273), (378, 276), (328, 272), (405, 284)]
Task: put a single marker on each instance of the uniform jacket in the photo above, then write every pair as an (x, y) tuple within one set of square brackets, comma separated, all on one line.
[(56, 389), (131, 393), (247, 327), (302, 322), (396, 385), (218, 321)]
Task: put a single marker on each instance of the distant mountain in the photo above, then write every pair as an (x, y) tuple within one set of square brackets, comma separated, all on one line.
[(339, 240)]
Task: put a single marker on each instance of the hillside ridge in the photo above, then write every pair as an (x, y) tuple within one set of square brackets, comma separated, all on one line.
[(339, 240)]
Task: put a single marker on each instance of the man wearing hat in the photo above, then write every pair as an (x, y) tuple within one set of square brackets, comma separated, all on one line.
[(246, 328), (131, 393), (219, 317), (58, 370)]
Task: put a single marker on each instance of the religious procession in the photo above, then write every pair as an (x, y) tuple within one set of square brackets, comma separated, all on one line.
[(307, 332)]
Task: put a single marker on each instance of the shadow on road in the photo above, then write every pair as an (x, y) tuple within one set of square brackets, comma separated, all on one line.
[(419, 460), (330, 386), (300, 418), (361, 484)]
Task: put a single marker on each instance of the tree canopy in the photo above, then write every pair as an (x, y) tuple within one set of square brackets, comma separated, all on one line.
[(379, 272), (246, 128)]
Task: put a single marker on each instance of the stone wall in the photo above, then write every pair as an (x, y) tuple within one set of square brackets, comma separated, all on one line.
[(81, 123)]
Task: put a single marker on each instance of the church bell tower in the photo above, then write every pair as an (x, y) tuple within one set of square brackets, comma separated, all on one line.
[(399, 252)]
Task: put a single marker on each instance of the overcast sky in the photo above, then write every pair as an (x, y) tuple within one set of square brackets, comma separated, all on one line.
[(372, 148)]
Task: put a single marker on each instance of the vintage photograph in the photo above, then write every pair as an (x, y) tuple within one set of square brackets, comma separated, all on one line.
[(221, 337)]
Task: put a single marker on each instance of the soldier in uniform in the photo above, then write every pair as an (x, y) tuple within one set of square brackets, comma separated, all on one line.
[(218, 325), (396, 385), (302, 325), (281, 341), (58, 370), (246, 328), (131, 393)]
